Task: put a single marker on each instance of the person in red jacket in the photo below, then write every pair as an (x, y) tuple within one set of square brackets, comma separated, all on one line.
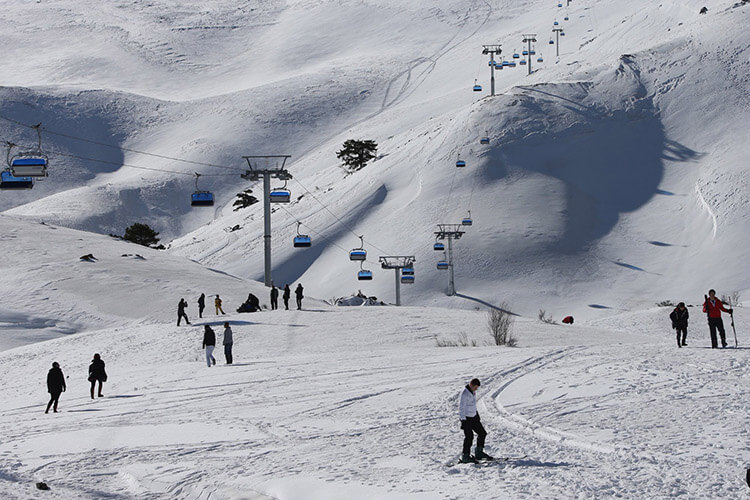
[(713, 307)]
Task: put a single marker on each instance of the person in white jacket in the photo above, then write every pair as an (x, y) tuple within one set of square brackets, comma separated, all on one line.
[(467, 413)]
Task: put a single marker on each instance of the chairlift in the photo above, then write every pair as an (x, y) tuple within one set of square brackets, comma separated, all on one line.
[(9, 181), (566, 18), (559, 4), (477, 87), (31, 163), (524, 52), (551, 41), (201, 198), (540, 58), (484, 140), (556, 23), (562, 33), (359, 253), (460, 163), (512, 64), (280, 194), (302, 240), (438, 247), (522, 62), (407, 271), (407, 280), (442, 265), (364, 275), (516, 55), (506, 63), (466, 221), (532, 52)]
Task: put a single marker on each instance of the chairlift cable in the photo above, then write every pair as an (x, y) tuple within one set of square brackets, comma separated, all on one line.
[(347, 226), (120, 148)]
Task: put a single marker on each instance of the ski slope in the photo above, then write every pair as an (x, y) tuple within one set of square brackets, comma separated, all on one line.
[(621, 161), (345, 402)]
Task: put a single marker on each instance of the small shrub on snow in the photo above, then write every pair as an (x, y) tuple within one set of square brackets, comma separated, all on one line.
[(500, 323), (462, 340), (544, 318)]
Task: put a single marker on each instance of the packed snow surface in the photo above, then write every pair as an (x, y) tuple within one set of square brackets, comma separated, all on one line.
[(344, 402), (615, 179)]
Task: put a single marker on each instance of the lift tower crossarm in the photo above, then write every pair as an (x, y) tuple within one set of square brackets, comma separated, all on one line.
[(255, 174), (397, 263)]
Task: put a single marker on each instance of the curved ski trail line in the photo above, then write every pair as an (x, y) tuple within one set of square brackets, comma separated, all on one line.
[(703, 203), (508, 419)]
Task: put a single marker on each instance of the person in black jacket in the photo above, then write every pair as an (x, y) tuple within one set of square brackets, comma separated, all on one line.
[(97, 374), (679, 319), (181, 312), (55, 385), (209, 342), (274, 297), (201, 304), (287, 294), (298, 293)]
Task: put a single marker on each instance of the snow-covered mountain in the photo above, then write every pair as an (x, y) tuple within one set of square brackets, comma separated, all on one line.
[(622, 161), (615, 177)]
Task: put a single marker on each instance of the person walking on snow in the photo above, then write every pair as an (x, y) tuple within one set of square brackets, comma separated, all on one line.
[(201, 304), (287, 294), (298, 293), (228, 341), (55, 386), (679, 319), (217, 303), (470, 423), (713, 307), (97, 374), (209, 342), (181, 312), (274, 297)]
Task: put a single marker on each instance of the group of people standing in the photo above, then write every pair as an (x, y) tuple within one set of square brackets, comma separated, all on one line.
[(209, 343), (286, 295), (298, 294), (56, 381), (713, 307), (182, 305)]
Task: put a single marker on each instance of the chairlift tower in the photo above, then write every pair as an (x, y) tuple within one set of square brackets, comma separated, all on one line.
[(255, 174), (397, 263), (557, 32), (529, 39), (450, 232), (492, 50)]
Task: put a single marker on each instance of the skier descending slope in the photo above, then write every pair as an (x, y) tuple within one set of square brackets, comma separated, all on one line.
[(467, 413), (713, 307)]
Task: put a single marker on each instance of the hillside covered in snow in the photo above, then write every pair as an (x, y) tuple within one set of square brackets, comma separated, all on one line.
[(622, 161), (607, 183)]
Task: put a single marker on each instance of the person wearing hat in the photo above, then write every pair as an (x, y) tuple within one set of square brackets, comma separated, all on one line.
[(679, 319), (55, 386), (470, 423)]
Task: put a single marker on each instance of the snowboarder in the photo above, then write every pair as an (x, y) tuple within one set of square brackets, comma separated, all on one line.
[(298, 293), (97, 374), (470, 423), (228, 341), (201, 304), (287, 294), (181, 312), (217, 303), (713, 307), (274, 297), (679, 319), (209, 342), (253, 302), (55, 386)]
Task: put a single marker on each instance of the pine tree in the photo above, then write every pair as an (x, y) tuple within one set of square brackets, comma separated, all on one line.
[(355, 154), (244, 199), (141, 234)]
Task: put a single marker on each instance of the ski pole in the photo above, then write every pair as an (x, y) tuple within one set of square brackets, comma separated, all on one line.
[(731, 315)]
